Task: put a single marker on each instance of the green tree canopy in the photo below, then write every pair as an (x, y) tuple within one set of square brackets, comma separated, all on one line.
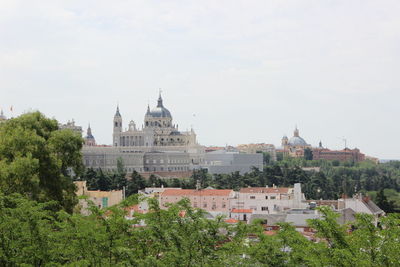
[(37, 159)]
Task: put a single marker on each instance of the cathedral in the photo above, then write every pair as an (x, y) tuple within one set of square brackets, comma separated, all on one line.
[(294, 146), (158, 130), (158, 146)]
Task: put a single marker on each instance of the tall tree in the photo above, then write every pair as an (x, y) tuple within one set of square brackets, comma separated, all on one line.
[(383, 202), (38, 160)]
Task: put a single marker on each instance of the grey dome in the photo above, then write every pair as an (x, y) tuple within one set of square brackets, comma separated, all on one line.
[(297, 141), (160, 111)]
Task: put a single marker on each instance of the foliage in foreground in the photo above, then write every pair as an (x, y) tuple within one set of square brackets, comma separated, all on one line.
[(33, 234), (37, 159)]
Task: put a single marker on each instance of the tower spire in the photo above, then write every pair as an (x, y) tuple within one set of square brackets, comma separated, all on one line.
[(117, 114), (160, 101), (296, 131), (89, 130)]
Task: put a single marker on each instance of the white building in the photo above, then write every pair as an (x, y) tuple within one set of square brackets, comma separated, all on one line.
[(269, 200)]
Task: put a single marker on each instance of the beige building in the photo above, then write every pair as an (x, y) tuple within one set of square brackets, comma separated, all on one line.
[(214, 201), (256, 148), (71, 126), (101, 199)]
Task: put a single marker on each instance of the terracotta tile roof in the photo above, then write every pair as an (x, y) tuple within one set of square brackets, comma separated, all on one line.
[(242, 211), (231, 220), (192, 192), (268, 190), (270, 232)]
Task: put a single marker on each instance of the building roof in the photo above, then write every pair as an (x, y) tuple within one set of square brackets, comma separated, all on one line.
[(192, 192), (242, 211), (373, 207), (270, 232), (117, 114), (265, 190), (297, 141), (160, 111), (300, 219), (231, 221), (269, 219)]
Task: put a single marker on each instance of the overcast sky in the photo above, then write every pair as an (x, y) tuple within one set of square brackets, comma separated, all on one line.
[(238, 71)]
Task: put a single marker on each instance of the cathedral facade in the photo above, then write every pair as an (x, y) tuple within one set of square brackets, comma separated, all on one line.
[(158, 146)]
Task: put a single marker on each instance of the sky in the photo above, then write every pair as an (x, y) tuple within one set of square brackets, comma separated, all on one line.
[(236, 71)]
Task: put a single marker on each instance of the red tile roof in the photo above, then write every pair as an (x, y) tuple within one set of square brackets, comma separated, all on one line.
[(192, 192), (270, 232), (242, 211), (268, 190), (231, 220)]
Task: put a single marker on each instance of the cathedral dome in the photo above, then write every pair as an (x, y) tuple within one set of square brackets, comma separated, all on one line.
[(297, 141), (160, 111)]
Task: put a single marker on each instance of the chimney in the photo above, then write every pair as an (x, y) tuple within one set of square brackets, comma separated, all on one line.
[(198, 185)]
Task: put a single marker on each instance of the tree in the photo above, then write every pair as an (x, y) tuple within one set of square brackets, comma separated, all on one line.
[(308, 154), (38, 160), (135, 184), (383, 202)]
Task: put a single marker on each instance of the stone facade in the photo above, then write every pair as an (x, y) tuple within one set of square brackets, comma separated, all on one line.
[(71, 125), (256, 148), (157, 147)]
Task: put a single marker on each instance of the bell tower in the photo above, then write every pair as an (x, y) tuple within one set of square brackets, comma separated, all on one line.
[(117, 127)]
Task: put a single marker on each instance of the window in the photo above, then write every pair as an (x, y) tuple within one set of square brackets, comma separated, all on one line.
[(252, 197), (205, 205), (264, 208), (223, 205), (104, 202), (266, 197), (272, 197)]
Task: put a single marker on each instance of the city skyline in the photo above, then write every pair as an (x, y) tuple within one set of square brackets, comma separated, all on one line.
[(249, 72)]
